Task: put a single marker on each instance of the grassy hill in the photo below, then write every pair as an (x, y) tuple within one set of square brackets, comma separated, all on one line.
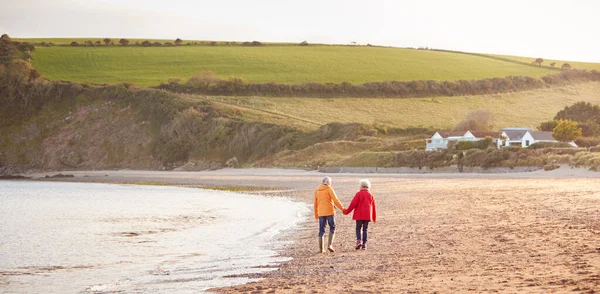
[(146, 66), (527, 109)]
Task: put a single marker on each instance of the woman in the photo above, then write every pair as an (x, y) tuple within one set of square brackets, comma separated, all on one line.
[(363, 205)]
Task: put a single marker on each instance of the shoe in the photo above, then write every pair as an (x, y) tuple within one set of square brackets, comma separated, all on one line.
[(330, 247), (358, 245), (364, 246)]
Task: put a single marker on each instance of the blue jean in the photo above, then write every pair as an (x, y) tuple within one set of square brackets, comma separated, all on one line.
[(362, 225), (326, 219)]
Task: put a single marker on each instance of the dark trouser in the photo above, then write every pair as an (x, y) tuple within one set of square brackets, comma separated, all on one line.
[(330, 220), (364, 226)]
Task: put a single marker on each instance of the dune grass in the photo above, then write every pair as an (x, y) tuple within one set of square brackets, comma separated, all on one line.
[(147, 66), (522, 109)]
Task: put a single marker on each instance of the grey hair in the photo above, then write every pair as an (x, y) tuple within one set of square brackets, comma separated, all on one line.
[(364, 183), (326, 181)]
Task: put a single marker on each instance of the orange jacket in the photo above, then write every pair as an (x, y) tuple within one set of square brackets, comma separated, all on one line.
[(325, 198)]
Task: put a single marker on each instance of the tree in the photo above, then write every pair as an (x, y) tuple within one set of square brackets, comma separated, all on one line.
[(539, 61), (178, 42), (566, 66), (107, 41), (74, 44), (5, 38), (566, 131), (124, 42), (478, 120), (580, 112), (304, 43), (146, 43), (553, 64), (203, 79)]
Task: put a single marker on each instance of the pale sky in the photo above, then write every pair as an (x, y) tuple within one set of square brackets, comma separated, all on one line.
[(567, 30)]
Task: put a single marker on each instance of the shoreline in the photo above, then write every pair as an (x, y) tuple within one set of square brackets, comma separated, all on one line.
[(516, 232)]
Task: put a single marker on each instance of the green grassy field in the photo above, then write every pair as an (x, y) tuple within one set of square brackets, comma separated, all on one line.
[(147, 66), (521, 109)]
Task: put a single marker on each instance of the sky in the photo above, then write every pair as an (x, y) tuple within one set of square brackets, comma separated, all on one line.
[(565, 30)]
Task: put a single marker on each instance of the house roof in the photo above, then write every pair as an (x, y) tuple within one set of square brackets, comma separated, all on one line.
[(486, 134), (446, 134), (542, 136), (515, 135)]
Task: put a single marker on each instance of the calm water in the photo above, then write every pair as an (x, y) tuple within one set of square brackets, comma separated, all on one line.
[(97, 238)]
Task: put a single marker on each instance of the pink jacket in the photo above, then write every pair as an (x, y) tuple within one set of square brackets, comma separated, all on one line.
[(363, 205)]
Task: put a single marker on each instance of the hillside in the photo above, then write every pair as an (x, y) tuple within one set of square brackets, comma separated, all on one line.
[(147, 66), (547, 62), (527, 108), (57, 125)]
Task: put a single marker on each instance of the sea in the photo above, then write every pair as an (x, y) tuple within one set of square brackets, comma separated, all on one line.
[(60, 237)]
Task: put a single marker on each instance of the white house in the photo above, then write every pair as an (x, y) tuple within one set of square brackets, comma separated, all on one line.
[(440, 139), (524, 137), (513, 137)]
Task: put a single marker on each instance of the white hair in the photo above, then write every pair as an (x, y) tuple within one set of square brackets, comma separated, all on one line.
[(326, 181), (364, 183)]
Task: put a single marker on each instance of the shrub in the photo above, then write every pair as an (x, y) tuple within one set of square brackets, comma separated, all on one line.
[(124, 42), (566, 130), (253, 43), (587, 141), (178, 42), (541, 145), (550, 167), (74, 44), (203, 79), (479, 144), (304, 43)]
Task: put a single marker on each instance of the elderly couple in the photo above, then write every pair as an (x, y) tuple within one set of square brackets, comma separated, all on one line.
[(363, 205)]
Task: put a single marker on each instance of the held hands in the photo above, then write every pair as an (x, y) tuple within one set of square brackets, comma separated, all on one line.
[(345, 211)]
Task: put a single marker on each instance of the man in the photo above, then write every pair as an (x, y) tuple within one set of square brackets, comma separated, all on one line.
[(325, 199)]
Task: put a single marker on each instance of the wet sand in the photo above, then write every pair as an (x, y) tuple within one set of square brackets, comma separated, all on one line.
[(451, 233)]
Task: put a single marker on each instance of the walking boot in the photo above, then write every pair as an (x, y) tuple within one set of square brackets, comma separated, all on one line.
[(322, 244), (329, 247)]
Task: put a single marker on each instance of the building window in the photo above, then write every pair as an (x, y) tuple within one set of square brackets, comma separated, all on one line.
[(526, 142)]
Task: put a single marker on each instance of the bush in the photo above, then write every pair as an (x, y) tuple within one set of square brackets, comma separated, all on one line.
[(550, 167), (541, 145), (404, 89), (74, 44), (253, 43), (480, 144), (587, 141)]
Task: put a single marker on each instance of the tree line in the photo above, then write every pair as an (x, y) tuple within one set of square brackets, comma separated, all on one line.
[(208, 83)]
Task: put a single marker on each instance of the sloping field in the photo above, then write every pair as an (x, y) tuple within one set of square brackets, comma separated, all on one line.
[(559, 63), (523, 109), (147, 66)]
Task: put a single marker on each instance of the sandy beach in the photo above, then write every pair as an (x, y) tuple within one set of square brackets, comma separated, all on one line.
[(448, 233)]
